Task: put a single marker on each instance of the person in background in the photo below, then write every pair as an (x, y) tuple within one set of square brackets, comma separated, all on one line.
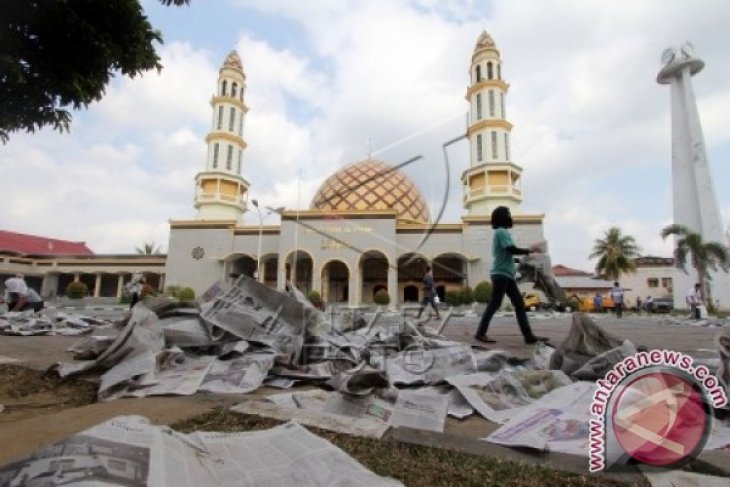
[(429, 294), (503, 278), (617, 296), (649, 304), (598, 303), (694, 300), (20, 297), (134, 288), (638, 304)]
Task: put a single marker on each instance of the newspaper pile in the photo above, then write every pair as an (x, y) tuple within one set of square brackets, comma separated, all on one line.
[(28, 323), (128, 450)]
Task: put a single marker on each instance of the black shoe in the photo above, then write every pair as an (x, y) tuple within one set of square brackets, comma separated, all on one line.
[(483, 338), (535, 339)]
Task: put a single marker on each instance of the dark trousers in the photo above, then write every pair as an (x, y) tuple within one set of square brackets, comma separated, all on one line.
[(36, 307), (619, 309), (502, 285)]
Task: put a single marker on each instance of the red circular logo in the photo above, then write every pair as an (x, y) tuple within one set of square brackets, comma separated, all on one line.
[(661, 418)]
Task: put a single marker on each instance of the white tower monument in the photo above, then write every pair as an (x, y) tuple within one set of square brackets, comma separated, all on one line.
[(695, 203), (492, 178), (220, 190)]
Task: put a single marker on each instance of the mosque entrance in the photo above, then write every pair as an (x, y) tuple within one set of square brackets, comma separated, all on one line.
[(374, 272), (245, 265), (335, 281), (302, 274), (410, 294)]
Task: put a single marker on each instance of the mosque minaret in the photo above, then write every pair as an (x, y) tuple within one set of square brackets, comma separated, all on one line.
[(695, 203), (492, 179), (220, 190)]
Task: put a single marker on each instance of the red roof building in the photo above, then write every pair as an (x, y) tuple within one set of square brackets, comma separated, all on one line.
[(561, 270), (25, 244)]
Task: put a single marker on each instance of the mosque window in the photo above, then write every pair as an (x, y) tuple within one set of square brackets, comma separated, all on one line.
[(499, 71), (490, 74), (232, 119), (234, 90), (506, 146), (479, 73), (494, 145), (240, 126), (220, 118), (224, 87), (501, 105), (240, 157), (229, 157), (479, 106), (215, 156), (479, 147), (491, 103)]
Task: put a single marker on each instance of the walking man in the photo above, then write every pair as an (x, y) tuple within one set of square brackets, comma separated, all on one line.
[(694, 300), (428, 294), (617, 296)]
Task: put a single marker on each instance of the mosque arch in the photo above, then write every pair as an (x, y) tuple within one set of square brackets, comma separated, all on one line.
[(240, 263), (410, 294), (411, 269), (490, 70), (267, 268), (478, 73), (234, 89), (303, 272), (373, 268), (449, 272), (335, 276), (224, 87)]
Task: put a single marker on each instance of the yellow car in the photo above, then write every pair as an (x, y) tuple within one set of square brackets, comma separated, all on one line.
[(532, 300)]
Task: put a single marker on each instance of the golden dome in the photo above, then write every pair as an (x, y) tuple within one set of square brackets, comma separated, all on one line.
[(372, 185)]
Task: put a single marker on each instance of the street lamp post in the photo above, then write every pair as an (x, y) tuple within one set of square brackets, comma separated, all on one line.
[(258, 251)]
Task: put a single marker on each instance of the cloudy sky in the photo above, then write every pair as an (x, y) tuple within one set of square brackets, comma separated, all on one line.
[(330, 81)]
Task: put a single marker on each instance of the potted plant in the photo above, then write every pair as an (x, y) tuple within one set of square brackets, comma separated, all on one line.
[(382, 297), (315, 298)]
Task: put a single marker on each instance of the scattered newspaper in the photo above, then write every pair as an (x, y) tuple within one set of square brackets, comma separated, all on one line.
[(558, 422), (127, 450), (393, 407), (585, 341), (238, 375), (420, 365), (501, 396), (252, 312)]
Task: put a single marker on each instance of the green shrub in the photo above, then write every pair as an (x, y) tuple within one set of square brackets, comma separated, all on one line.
[(186, 294), (453, 298), (382, 297), (482, 292), (172, 291), (314, 297), (76, 290), (467, 295)]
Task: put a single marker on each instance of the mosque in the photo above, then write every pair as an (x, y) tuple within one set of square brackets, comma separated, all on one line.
[(368, 226)]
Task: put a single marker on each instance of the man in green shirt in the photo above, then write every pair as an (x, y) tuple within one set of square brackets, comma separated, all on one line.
[(502, 274)]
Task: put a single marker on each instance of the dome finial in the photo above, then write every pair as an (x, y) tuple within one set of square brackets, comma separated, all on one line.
[(484, 41), (233, 61)]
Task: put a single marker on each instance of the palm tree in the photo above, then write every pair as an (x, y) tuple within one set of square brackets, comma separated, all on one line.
[(149, 249), (616, 254), (704, 255)]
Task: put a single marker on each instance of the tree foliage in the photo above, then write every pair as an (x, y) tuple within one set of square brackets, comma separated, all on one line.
[(703, 255), (57, 55), (149, 249), (615, 253)]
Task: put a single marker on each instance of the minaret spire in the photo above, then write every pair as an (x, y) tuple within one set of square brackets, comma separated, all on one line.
[(492, 179), (220, 190)]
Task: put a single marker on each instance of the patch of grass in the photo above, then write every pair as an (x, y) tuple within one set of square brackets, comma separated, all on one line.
[(413, 465), (18, 382)]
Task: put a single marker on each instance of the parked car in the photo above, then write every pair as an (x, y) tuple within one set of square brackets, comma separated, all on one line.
[(662, 305)]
